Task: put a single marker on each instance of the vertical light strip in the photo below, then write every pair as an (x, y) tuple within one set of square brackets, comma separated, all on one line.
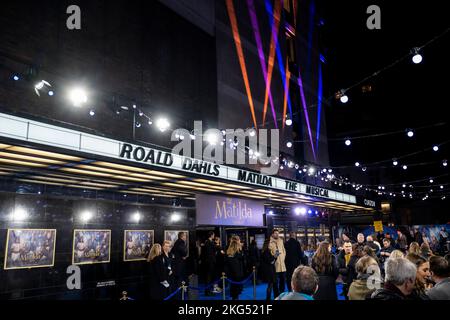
[(269, 10), (302, 95), (262, 58), (274, 15), (286, 93), (240, 53), (319, 103)]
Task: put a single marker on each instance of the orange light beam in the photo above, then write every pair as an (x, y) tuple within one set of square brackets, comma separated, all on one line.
[(240, 53)]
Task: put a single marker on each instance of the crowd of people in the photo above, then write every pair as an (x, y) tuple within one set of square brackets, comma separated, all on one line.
[(367, 268)]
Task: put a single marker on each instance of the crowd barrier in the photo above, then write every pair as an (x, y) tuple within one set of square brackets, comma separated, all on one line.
[(183, 288)]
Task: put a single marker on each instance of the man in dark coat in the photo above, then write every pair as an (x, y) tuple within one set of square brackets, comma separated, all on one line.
[(400, 280), (179, 253), (294, 257), (209, 261)]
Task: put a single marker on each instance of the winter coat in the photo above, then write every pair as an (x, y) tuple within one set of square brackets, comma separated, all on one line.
[(268, 273), (294, 255), (359, 290), (274, 245)]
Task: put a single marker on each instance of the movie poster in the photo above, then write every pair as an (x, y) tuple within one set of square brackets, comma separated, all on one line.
[(172, 236), (30, 248), (137, 244), (91, 246)]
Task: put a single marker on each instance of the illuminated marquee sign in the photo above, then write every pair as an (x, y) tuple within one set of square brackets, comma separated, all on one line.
[(50, 135)]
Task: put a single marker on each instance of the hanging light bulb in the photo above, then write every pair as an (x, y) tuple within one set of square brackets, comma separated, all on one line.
[(405, 167), (288, 121), (289, 144), (357, 164), (431, 180), (417, 57), (348, 142), (92, 113), (344, 98), (394, 162), (444, 163), (410, 133), (435, 148)]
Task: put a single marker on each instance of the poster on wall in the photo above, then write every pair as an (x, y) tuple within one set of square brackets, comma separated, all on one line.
[(30, 248), (137, 244), (172, 236), (91, 246)]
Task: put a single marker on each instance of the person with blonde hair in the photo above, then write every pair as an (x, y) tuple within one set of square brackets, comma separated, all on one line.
[(234, 267), (397, 254), (414, 248), (361, 288), (276, 246), (159, 275)]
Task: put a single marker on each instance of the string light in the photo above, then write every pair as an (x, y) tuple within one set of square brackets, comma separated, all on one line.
[(395, 162), (92, 113), (417, 57), (288, 121), (410, 133), (405, 167), (435, 148), (16, 77), (289, 144), (348, 142)]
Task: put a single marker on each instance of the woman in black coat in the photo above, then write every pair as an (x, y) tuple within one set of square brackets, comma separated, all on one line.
[(159, 274), (234, 268), (268, 274), (324, 263)]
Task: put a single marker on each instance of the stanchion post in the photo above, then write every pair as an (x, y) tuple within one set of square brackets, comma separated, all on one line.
[(254, 283), (183, 288), (223, 285)]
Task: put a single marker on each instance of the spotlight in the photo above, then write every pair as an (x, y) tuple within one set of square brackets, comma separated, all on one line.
[(417, 57), (300, 211), (136, 217), (51, 93), (78, 97), (138, 124), (41, 85), (86, 216), (212, 139), (15, 77), (19, 214), (92, 113), (163, 124), (288, 121), (348, 142), (271, 212), (410, 133), (175, 217), (435, 148), (289, 144)]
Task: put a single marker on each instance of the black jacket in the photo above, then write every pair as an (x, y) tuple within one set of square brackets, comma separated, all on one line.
[(294, 254), (388, 292), (209, 255), (268, 273), (159, 272), (178, 252), (348, 271), (327, 282), (234, 267), (253, 255)]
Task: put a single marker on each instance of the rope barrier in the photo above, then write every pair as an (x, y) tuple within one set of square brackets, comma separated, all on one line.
[(240, 282), (173, 293)]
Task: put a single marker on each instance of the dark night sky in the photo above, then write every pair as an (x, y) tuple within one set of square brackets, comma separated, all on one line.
[(405, 96)]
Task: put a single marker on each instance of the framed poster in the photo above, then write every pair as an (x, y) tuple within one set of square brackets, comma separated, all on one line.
[(172, 236), (137, 244), (91, 246), (30, 248)]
